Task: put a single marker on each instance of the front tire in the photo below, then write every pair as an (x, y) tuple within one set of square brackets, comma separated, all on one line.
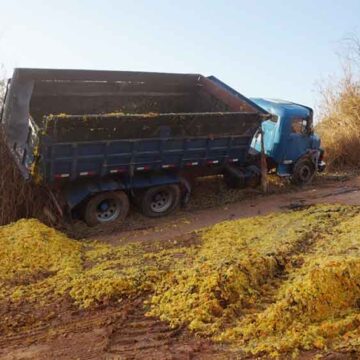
[(159, 201), (303, 172), (106, 207)]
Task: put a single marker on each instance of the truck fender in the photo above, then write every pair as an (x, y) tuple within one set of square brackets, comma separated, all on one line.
[(143, 182), (317, 158), (313, 155), (77, 193), (164, 179)]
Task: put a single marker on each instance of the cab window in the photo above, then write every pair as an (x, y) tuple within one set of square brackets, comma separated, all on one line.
[(299, 126)]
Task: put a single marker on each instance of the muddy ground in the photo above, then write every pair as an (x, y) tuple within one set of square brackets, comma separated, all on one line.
[(121, 331)]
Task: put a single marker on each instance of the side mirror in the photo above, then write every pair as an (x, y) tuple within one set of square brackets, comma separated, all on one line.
[(310, 130)]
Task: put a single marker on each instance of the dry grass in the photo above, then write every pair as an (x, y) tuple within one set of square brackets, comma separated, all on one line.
[(339, 125)]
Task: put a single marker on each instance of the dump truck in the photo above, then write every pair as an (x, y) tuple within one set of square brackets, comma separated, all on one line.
[(101, 139)]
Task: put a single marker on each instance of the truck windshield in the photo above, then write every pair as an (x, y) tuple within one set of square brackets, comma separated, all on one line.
[(299, 126)]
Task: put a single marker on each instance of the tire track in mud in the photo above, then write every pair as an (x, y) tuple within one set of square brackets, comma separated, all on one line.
[(120, 332), (44, 332), (75, 335), (142, 337)]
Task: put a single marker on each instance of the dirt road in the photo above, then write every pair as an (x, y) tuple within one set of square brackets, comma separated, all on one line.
[(253, 203), (122, 331)]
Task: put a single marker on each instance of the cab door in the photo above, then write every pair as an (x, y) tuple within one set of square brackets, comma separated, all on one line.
[(299, 139)]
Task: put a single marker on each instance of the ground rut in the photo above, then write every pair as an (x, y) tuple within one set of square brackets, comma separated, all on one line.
[(141, 337)]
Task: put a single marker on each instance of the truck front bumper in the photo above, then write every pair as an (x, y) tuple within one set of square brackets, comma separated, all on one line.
[(321, 166)]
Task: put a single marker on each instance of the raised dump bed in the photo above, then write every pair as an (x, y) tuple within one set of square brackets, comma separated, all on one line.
[(83, 130)]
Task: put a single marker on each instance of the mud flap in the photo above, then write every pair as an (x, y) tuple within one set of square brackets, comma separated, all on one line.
[(186, 191)]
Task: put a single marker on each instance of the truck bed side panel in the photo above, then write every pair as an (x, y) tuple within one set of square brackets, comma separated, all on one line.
[(75, 161)]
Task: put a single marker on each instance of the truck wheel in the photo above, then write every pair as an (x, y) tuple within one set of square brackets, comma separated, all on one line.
[(106, 207), (303, 172), (160, 200)]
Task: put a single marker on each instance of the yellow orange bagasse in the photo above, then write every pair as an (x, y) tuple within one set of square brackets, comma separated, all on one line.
[(269, 284), (19, 198)]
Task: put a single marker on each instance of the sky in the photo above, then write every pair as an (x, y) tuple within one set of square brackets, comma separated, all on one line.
[(276, 49)]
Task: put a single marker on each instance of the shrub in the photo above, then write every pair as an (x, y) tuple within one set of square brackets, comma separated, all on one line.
[(339, 125)]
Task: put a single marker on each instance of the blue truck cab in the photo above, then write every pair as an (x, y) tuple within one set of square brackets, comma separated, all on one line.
[(290, 144)]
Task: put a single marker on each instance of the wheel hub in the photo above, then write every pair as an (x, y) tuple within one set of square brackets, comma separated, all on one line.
[(107, 210), (161, 201), (305, 173)]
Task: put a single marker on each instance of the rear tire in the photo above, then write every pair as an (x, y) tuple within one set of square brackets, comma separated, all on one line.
[(303, 172), (159, 201), (106, 207)]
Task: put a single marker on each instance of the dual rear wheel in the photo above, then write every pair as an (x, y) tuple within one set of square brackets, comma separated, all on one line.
[(159, 201), (106, 207), (109, 206)]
